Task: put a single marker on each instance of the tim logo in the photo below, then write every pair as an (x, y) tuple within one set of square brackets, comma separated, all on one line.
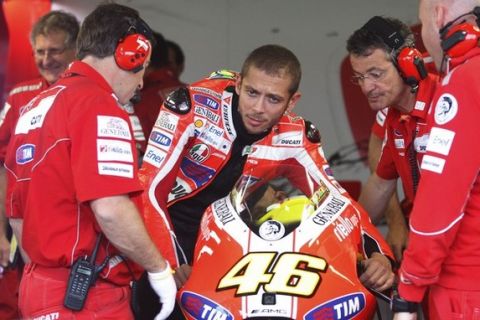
[(206, 101), (25, 153), (200, 307), (160, 139), (342, 308)]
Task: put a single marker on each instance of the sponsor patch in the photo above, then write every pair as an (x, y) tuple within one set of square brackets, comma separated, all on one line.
[(167, 120), (292, 139), (113, 127), (345, 307), (206, 101), (25, 153), (114, 150), (271, 230), (420, 105), (206, 113), (180, 188), (154, 156), (432, 163), (160, 139), (198, 173), (227, 113), (199, 152), (399, 143), (115, 169), (34, 118), (207, 91), (420, 143), (446, 108), (200, 307), (381, 116), (440, 140)]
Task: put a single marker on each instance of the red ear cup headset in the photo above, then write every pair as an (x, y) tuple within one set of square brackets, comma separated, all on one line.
[(408, 60), (457, 40), (134, 47)]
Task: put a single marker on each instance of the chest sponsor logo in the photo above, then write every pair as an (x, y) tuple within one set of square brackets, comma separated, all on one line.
[(113, 127), (200, 307), (399, 143), (205, 112), (154, 156), (288, 139), (25, 153), (199, 152), (440, 140), (346, 307), (222, 211), (162, 140), (343, 226), (206, 101), (115, 169), (432, 163), (328, 211), (114, 150), (198, 173), (446, 108), (167, 121), (420, 143)]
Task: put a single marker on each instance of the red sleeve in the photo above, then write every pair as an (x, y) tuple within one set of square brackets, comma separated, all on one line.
[(445, 218)]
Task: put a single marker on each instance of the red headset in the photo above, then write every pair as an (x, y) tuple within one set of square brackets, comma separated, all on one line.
[(457, 40), (408, 60), (133, 48)]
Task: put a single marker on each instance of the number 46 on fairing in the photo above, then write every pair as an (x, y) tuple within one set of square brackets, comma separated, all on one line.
[(291, 273)]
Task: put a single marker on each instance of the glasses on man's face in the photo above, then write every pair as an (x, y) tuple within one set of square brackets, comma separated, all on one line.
[(52, 52), (373, 75)]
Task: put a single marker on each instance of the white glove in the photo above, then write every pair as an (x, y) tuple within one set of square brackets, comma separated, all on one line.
[(164, 285), (405, 316)]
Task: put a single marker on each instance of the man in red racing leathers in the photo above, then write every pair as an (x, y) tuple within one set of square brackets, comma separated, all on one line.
[(204, 135)]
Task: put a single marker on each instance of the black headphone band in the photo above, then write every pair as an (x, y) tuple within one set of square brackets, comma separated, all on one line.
[(476, 12), (385, 31)]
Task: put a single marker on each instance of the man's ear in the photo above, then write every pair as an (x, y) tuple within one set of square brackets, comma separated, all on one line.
[(238, 84), (293, 101), (440, 16)]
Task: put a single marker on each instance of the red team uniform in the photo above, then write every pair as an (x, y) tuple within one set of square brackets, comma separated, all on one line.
[(444, 251), (406, 139), (86, 140)]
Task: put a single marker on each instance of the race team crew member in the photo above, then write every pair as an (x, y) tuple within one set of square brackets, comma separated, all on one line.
[(204, 135), (71, 137), (52, 39), (444, 252)]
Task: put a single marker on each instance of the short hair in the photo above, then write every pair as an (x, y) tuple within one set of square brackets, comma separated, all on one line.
[(178, 52), (103, 28), (275, 60), (159, 52), (56, 21), (363, 41)]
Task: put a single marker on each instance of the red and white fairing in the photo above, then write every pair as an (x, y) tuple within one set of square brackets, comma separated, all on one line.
[(307, 273)]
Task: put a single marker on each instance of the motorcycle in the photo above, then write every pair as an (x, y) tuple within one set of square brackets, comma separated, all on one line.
[(281, 245)]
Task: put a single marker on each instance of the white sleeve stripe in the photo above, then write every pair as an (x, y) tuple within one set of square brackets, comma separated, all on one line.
[(435, 233)]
